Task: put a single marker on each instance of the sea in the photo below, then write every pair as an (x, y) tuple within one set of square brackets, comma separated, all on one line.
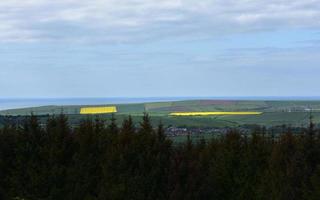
[(13, 103)]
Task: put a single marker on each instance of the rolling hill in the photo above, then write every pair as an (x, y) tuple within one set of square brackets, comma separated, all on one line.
[(295, 113)]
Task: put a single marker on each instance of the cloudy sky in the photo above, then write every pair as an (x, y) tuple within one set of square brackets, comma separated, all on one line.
[(149, 48)]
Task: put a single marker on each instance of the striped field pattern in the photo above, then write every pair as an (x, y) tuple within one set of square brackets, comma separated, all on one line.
[(212, 113), (98, 110)]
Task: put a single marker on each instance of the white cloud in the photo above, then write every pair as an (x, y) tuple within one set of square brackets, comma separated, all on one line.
[(125, 20)]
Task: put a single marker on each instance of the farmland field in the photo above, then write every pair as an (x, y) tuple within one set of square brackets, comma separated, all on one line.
[(98, 110), (213, 113), (204, 113)]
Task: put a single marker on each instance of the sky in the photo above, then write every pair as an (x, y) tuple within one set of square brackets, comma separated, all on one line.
[(152, 48)]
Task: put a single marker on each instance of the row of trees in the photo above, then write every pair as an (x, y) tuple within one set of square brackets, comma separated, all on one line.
[(103, 161)]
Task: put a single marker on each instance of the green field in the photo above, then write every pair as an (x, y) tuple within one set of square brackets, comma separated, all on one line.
[(294, 113)]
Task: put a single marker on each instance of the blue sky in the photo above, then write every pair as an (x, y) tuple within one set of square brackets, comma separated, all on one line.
[(149, 48)]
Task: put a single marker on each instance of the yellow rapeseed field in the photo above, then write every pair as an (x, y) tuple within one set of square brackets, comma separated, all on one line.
[(213, 113), (98, 110)]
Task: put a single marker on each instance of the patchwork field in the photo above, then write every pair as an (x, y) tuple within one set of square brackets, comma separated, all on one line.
[(194, 113), (98, 110), (212, 113)]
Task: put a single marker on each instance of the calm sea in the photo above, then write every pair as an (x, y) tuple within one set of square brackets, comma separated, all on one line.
[(34, 102)]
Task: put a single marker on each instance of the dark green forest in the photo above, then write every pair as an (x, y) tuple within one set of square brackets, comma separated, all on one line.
[(101, 160)]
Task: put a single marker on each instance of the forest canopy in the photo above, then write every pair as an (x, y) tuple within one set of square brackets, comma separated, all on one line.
[(101, 160)]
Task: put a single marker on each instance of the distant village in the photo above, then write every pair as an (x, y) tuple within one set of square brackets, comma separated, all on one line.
[(184, 131)]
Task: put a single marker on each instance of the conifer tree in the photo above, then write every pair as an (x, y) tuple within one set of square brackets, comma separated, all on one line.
[(8, 143), (127, 126), (286, 174), (86, 172), (60, 152), (161, 132), (145, 125), (313, 192), (113, 127), (30, 173)]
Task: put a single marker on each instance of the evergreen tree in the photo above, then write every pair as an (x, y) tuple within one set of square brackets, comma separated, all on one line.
[(60, 150), (30, 166), (313, 192), (285, 176), (8, 143), (161, 132), (113, 127), (86, 172), (145, 125), (127, 126)]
